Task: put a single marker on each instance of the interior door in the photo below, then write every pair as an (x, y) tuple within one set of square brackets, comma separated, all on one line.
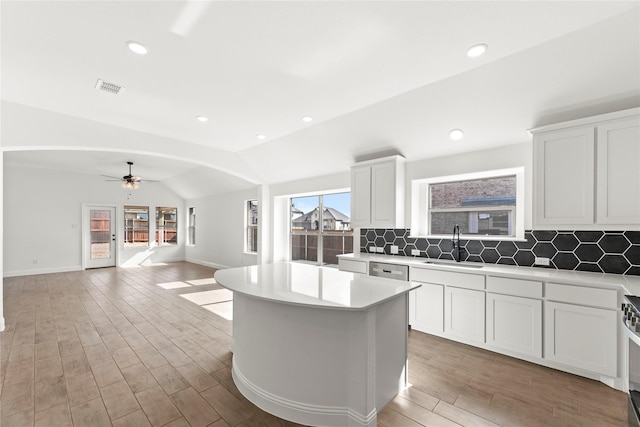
[(99, 236)]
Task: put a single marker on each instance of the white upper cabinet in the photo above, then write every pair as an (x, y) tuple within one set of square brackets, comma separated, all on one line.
[(618, 172), (377, 193), (586, 172), (565, 176)]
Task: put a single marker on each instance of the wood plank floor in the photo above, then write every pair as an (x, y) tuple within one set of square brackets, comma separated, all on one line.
[(121, 347)]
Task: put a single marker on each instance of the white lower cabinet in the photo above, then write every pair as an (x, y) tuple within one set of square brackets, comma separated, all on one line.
[(464, 314), (581, 337), (427, 308), (514, 324)]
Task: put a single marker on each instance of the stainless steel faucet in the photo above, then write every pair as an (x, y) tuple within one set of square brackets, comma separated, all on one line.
[(456, 243)]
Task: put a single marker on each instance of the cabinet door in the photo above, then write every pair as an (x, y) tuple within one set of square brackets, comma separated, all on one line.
[(427, 308), (564, 177), (515, 323), (618, 173), (582, 337), (464, 314), (361, 196), (383, 195)]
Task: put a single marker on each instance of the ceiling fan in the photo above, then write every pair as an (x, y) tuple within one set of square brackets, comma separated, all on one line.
[(129, 181)]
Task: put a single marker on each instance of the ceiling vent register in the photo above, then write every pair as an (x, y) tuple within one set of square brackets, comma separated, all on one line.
[(109, 87)]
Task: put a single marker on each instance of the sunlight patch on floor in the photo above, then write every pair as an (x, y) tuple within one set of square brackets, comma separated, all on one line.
[(201, 282), (209, 297), (173, 285), (222, 309)]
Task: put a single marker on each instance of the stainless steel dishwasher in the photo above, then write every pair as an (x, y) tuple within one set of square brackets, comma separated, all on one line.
[(389, 271)]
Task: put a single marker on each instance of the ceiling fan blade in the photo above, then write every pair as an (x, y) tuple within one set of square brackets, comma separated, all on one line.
[(112, 177)]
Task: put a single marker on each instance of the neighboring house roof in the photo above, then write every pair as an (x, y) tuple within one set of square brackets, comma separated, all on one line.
[(296, 210), (336, 214)]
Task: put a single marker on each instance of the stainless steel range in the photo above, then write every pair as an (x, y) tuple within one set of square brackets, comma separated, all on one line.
[(631, 321)]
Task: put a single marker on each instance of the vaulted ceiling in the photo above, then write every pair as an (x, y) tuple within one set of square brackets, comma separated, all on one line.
[(375, 76)]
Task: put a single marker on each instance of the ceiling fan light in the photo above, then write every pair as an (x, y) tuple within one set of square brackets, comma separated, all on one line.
[(124, 184), (134, 185)]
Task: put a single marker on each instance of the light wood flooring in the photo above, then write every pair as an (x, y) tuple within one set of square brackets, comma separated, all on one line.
[(121, 347)]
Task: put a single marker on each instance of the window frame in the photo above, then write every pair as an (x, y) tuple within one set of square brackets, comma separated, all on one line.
[(164, 228), (132, 208), (318, 232), (191, 226), (248, 226), (421, 212)]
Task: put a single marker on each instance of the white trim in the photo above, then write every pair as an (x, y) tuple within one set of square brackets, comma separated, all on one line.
[(299, 411), (206, 263), (586, 120), (16, 273)]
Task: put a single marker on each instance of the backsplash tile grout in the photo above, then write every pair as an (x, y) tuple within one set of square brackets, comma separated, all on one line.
[(615, 252)]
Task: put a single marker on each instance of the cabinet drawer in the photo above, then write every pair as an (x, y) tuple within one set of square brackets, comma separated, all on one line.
[(607, 298), (352, 266), (460, 280), (517, 287)]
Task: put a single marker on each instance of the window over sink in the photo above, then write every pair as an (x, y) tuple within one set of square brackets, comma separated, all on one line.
[(485, 205)]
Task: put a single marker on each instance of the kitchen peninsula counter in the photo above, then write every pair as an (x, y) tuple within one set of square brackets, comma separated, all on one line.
[(315, 345)]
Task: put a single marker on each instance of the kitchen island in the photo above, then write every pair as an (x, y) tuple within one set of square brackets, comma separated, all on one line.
[(316, 345)]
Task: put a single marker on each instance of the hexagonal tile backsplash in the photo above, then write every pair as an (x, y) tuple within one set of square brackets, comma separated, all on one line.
[(600, 251)]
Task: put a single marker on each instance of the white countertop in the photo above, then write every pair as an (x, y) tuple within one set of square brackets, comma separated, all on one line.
[(309, 285), (629, 284)]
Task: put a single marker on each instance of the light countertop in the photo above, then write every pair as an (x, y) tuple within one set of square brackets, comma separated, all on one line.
[(629, 284), (309, 285)]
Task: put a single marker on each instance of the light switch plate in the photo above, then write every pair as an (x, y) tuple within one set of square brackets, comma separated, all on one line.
[(372, 249), (415, 252), (380, 250), (393, 249)]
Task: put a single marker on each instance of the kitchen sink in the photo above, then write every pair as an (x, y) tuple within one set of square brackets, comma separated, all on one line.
[(455, 264)]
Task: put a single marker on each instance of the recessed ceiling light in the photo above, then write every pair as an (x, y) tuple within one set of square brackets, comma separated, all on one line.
[(477, 50), (307, 119), (136, 47), (456, 134), (202, 119), (261, 136)]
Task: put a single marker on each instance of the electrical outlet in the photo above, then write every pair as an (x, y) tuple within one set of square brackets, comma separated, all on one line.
[(393, 249), (541, 261), (372, 249), (415, 252), (35, 262), (380, 250)]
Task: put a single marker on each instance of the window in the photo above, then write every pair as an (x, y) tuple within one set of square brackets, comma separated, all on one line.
[(487, 204), (136, 226), (166, 231), (321, 228), (251, 215), (191, 227)]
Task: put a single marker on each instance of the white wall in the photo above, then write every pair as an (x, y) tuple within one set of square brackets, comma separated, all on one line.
[(220, 222), (43, 218)]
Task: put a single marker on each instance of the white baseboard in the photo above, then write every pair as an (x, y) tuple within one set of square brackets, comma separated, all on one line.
[(300, 412), (206, 263), (30, 272), (1, 323)]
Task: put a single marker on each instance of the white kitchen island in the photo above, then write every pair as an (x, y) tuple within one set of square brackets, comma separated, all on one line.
[(316, 345)]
